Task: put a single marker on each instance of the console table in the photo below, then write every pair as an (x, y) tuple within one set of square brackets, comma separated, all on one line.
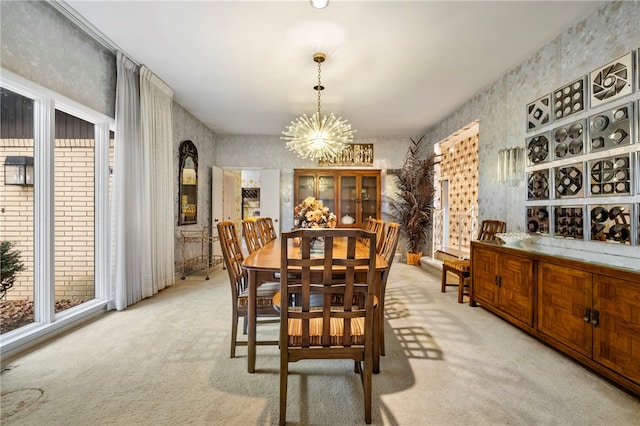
[(587, 310)]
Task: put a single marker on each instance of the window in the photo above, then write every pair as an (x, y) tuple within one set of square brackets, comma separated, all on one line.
[(61, 222)]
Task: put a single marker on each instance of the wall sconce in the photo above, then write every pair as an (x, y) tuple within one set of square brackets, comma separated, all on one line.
[(510, 165), (18, 170)]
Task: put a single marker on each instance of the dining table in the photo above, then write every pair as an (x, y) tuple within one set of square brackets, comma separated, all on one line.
[(263, 265)]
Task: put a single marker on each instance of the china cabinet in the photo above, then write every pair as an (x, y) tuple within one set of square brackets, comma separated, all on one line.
[(353, 195), (587, 309)]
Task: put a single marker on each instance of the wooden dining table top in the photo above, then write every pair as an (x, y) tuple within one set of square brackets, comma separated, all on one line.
[(267, 258)]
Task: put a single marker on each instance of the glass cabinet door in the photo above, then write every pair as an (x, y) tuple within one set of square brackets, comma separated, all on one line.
[(369, 194), (348, 200), (327, 191), (306, 187)]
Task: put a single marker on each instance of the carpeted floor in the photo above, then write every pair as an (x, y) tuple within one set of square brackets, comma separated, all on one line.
[(165, 361)]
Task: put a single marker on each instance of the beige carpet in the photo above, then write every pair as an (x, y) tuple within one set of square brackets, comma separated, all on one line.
[(165, 361)]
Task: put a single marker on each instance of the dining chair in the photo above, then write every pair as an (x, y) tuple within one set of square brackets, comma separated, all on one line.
[(266, 231), (314, 325), (462, 267), (233, 258), (251, 234), (387, 249), (374, 225)]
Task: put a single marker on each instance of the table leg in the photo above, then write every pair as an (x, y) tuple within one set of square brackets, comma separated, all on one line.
[(251, 338)]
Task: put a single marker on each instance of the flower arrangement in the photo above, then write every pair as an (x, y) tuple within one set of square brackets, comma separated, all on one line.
[(311, 213)]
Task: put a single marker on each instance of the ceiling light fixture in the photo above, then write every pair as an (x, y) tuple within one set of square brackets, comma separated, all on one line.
[(319, 4), (318, 137)]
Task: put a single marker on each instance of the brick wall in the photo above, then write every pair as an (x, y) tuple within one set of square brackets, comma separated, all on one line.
[(74, 219)]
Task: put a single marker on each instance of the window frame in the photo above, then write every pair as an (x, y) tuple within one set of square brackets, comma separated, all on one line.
[(46, 323)]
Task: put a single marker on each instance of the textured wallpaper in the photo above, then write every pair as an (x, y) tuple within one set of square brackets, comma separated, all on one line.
[(608, 33)]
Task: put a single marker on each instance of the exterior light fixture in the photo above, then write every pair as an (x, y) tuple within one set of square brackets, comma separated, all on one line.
[(319, 4), (18, 170), (318, 137)]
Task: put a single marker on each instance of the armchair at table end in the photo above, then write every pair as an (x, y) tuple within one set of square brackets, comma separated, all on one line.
[(462, 267), (328, 331)]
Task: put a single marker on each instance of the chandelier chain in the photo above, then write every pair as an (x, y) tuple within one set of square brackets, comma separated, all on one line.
[(319, 86)]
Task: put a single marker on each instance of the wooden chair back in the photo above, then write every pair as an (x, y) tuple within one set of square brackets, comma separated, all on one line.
[(233, 258), (387, 249), (388, 245), (266, 229), (251, 233), (489, 229), (324, 318), (374, 225)]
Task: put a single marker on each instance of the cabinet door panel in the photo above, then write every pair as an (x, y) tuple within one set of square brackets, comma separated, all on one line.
[(564, 295), (349, 200), (305, 187), (516, 287), (327, 191), (369, 197), (484, 277), (616, 337)]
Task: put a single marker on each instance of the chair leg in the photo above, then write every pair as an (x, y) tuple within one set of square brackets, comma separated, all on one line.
[(284, 373), (377, 319), (444, 279), (460, 287), (472, 302), (234, 332), (464, 279), (366, 382), (245, 325), (381, 325)]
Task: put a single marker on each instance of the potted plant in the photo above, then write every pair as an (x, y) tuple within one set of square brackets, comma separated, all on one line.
[(413, 202)]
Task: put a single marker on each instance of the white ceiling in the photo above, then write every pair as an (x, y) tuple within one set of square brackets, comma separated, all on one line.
[(393, 68)]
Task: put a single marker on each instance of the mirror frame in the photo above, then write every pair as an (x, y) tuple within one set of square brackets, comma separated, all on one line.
[(187, 151)]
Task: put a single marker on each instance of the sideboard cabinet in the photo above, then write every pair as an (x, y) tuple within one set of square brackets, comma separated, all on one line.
[(590, 311), (353, 195), (504, 282)]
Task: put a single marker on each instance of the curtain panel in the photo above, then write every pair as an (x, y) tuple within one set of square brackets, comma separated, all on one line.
[(130, 256), (156, 105)]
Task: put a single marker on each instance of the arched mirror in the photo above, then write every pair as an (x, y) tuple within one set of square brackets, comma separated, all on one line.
[(188, 184)]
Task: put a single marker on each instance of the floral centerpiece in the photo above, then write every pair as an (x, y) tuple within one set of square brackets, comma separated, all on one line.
[(311, 213)]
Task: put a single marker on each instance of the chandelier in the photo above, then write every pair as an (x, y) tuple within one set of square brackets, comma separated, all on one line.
[(318, 137)]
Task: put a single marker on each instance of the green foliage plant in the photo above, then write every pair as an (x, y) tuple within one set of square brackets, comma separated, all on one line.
[(10, 264)]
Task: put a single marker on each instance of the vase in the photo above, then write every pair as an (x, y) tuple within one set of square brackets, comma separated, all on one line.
[(413, 258)]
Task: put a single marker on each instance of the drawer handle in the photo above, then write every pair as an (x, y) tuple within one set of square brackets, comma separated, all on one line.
[(587, 315), (595, 318)]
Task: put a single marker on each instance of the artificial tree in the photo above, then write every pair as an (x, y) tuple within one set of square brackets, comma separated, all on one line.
[(412, 206)]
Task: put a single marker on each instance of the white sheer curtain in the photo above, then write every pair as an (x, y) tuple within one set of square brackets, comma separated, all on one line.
[(156, 103), (130, 246)]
